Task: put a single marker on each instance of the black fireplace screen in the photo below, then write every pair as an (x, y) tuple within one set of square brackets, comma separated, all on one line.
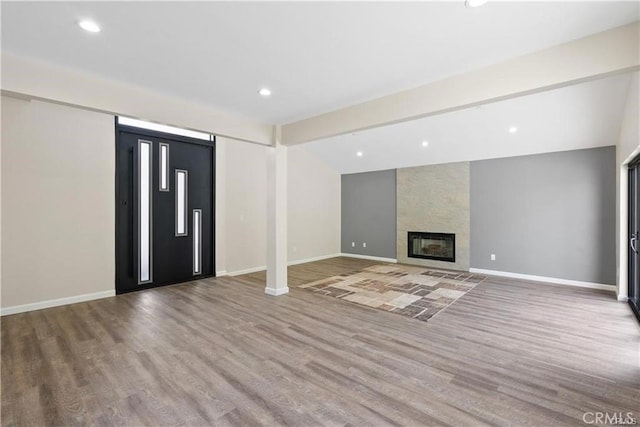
[(438, 246)]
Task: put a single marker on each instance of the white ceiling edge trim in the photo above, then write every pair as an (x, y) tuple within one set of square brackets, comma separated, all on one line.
[(552, 68), (29, 79)]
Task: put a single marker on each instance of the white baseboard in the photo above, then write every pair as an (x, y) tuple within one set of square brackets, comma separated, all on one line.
[(373, 258), (55, 302), (246, 271), (221, 273), (303, 261), (543, 279), (276, 291), (622, 298), (317, 258), (264, 267)]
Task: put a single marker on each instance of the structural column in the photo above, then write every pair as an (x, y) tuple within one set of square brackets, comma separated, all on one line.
[(277, 217)]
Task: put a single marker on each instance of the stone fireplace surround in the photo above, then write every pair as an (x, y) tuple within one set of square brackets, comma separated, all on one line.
[(434, 198)]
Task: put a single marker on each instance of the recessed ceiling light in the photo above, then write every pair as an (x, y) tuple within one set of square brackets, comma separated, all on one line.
[(425, 143), (89, 26), (513, 129), (359, 154), (474, 3), (265, 91)]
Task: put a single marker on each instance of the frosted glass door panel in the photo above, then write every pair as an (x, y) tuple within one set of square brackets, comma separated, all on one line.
[(164, 167), (145, 151), (182, 178), (197, 241)]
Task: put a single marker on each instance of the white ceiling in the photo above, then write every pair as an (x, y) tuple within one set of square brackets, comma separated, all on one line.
[(315, 57), (581, 116)]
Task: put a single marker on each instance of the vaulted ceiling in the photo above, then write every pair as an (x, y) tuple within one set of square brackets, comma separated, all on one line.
[(585, 115), (314, 56)]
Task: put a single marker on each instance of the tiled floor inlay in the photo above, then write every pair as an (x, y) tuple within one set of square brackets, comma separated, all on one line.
[(415, 292)]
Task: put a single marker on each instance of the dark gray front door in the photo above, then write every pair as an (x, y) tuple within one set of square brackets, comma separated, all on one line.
[(164, 213)]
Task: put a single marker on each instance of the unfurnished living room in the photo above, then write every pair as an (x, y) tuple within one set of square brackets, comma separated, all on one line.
[(320, 213)]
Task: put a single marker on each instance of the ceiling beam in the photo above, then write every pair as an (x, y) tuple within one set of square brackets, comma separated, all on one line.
[(31, 79), (599, 55)]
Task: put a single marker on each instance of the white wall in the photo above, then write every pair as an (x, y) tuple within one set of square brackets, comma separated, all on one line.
[(313, 192), (629, 129), (313, 207), (246, 206), (628, 146), (57, 202), (220, 235)]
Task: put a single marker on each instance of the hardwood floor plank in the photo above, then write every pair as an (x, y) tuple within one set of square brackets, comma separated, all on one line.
[(221, 352)]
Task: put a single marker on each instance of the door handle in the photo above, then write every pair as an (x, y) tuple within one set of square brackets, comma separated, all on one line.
[(634, 237)]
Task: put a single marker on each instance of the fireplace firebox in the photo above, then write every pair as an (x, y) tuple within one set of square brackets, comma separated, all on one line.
[(438, 246)]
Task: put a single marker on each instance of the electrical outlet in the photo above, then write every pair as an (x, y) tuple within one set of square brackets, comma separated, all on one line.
[(353, 244), (364, 244), (295, 249), (493, 257)]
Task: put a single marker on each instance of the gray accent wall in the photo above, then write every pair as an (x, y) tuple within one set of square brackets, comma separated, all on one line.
[(547, 215), (369, 213), (434, 199)]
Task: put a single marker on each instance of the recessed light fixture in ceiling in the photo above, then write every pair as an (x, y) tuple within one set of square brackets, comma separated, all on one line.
[(265, 91), (89, 26), (513, 129), (425, 143), (474, 3), (359, 154)]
